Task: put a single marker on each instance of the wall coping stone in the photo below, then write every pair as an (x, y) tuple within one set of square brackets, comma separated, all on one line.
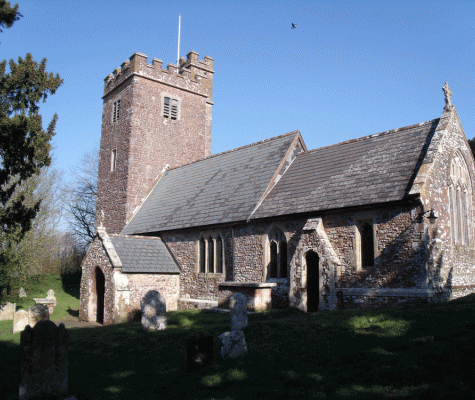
[(249, 284), (386, 292)]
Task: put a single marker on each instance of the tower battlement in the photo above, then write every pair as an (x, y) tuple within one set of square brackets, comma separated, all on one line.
[(192, 74)]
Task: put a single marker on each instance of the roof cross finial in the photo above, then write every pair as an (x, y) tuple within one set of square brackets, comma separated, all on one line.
[(448, 94)]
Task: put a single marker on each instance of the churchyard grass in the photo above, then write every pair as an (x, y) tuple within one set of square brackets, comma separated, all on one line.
[(419, 352)]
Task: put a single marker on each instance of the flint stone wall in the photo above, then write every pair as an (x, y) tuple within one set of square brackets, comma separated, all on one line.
[(123, 292)]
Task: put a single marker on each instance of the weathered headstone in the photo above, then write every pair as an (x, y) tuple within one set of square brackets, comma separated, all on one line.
[(50, 295), (44, 361), (7, 311), (153, 307), (234, 344), (20, 320), (200, 351), (22, 293), (37, 313), (238, 311)]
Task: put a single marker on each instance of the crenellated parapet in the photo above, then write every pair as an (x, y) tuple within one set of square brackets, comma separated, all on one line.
[(192, 74)]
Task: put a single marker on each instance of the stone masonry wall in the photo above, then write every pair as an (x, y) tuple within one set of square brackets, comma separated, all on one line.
[(166, 285), (145, 140), (96, 257), (451, 265), (400, 255)]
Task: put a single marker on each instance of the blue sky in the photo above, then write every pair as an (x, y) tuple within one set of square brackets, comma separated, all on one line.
[(348, 70)]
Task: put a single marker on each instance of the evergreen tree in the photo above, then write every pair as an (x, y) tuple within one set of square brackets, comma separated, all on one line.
[(24, 144)]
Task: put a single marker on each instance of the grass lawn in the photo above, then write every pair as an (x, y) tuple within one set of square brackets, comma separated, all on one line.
[(423, 352)]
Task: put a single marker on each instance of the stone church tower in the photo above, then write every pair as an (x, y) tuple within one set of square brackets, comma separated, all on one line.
[(151, 118)]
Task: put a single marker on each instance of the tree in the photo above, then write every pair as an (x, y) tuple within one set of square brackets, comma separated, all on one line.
[(24, 144), (8, 14), (81, 202), (37, 251)]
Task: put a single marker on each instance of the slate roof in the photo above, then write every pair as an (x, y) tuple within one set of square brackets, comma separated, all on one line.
[(373, 169), (223, 188), (143, 255)]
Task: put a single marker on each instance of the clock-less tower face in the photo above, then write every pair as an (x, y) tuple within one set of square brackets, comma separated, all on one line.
[(152, 118)]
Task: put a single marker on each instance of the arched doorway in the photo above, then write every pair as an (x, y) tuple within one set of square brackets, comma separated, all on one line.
[(100, 291), (313, 281)]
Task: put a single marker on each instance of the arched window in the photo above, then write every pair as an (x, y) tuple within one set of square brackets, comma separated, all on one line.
[(283, 259), (367, 245), (277, 255), (210, 254), (273, 260), (219, 255), (202, 256), (460, 201)]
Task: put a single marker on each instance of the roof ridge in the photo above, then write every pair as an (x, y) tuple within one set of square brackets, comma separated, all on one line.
[(237, 148), (119, 235), (372, 135)]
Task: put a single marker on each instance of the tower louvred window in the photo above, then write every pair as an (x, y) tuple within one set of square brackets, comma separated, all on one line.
[(116, 111), (174, 109), (171, 108), (166, 107)]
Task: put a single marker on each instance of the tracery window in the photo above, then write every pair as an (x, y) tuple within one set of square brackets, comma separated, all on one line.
[(277, 255), (459, 197), (210, 254)]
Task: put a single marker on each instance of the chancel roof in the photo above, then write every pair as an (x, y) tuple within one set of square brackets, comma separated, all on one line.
[(223, 188), (143, 255), (373, 169)]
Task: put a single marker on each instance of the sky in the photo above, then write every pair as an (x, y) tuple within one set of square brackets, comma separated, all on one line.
[(347, 70)]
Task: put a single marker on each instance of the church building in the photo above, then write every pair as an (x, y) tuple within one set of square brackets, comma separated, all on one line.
[(383, 219)]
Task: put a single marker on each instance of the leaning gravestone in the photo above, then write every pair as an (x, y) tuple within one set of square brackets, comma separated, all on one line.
[(234, 343), (20, 320), (44, 361), (153, 307), (22, 293), (7, 310), (200, 351)]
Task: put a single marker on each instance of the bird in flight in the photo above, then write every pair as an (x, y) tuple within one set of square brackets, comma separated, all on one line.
[(294, 26)]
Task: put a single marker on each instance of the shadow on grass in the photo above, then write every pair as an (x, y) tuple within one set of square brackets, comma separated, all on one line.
[(71, 284), (405, 353), (73, 313)]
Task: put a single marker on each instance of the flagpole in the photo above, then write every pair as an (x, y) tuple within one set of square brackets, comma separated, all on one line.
[(178, 53)]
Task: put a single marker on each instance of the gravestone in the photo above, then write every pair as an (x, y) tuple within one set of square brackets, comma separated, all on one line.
[(234, 344), (20, 320), (200, 351), (44, 361), (49, 301), (37, 313), (238, 311), (153, 307), (7, 311), (22, 293)]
